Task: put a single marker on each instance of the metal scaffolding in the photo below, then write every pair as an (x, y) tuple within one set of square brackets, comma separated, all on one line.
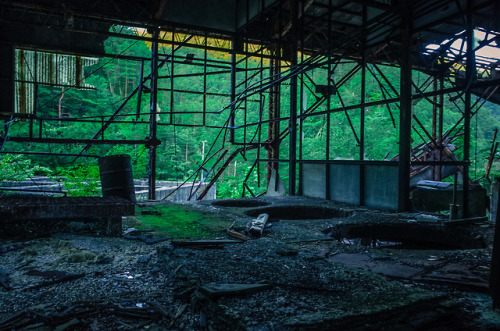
[(290, 64)]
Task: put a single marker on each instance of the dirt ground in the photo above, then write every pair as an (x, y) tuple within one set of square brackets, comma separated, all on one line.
[(302, 274)]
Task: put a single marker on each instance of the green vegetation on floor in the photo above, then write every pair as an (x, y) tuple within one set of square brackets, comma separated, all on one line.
[(178, 222)]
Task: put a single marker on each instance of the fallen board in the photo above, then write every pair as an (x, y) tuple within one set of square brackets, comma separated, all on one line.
[(214, 289), (203, 243)]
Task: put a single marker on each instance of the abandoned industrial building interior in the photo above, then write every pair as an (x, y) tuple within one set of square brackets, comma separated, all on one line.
[(249, 164)]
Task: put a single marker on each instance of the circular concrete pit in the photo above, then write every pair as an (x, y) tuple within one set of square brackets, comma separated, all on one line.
[(409, 235), (298, 212), (240, 203)]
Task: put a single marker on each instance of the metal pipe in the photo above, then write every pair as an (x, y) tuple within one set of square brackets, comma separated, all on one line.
[(48, 153), (77, 141)]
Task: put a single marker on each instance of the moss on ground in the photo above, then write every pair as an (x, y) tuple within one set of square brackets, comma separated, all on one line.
[(180, 221)]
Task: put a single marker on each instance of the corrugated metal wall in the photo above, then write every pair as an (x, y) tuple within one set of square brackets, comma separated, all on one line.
[(44, 68)]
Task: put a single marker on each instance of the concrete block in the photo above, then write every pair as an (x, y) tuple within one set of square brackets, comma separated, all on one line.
[(427, 199)]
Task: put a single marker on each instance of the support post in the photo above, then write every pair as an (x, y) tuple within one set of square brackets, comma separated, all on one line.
[(273, 152), (7, 84), (434, 125), (440, 131), (362, 118), (233, 91), (329, 104), (292, 162), (153, 140), (405, 109), (495, 261), (470, 73)]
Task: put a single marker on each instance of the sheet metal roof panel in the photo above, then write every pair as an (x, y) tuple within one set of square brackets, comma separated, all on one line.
[(210, 14)]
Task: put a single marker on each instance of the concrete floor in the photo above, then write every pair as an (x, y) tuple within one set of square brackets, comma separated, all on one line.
[(316, 273)]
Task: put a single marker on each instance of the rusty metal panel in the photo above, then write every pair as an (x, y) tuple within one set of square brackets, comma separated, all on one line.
[(45, 68)]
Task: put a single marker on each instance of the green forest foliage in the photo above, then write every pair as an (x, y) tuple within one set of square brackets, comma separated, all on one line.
[(180, 152)]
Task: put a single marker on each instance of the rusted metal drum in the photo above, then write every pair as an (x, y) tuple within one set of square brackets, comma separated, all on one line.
[(116, 177)]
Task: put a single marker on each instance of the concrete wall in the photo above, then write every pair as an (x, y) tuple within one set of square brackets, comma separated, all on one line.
[(344, 183), (381, 183), (381, 186), (314, 180)]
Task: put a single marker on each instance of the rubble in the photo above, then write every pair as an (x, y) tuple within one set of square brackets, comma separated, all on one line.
[(292, 277), (256, 226)]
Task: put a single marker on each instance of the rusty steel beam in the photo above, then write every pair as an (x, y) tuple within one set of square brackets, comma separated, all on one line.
[(47, 153), (78, 141), (154, 142)]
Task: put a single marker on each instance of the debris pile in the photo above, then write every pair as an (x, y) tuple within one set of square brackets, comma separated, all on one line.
[(249, 277)]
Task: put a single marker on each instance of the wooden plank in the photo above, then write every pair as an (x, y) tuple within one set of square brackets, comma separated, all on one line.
[(195, 243), (214, 289)]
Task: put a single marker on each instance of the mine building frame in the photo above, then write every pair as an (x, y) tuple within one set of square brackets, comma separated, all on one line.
[(272, 49)]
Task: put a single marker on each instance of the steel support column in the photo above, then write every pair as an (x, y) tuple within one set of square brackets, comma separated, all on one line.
[(440, 126), (470, 74), (273, 151), (233, 92), (362, 118), (495, 262), (153, 140), (292, 163), (434, 125), (405, 109), (362, 133), (329, 104)]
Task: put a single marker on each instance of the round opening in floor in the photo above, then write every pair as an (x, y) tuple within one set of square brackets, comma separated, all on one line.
[(240, 203), (407, 235), (298, 212)]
